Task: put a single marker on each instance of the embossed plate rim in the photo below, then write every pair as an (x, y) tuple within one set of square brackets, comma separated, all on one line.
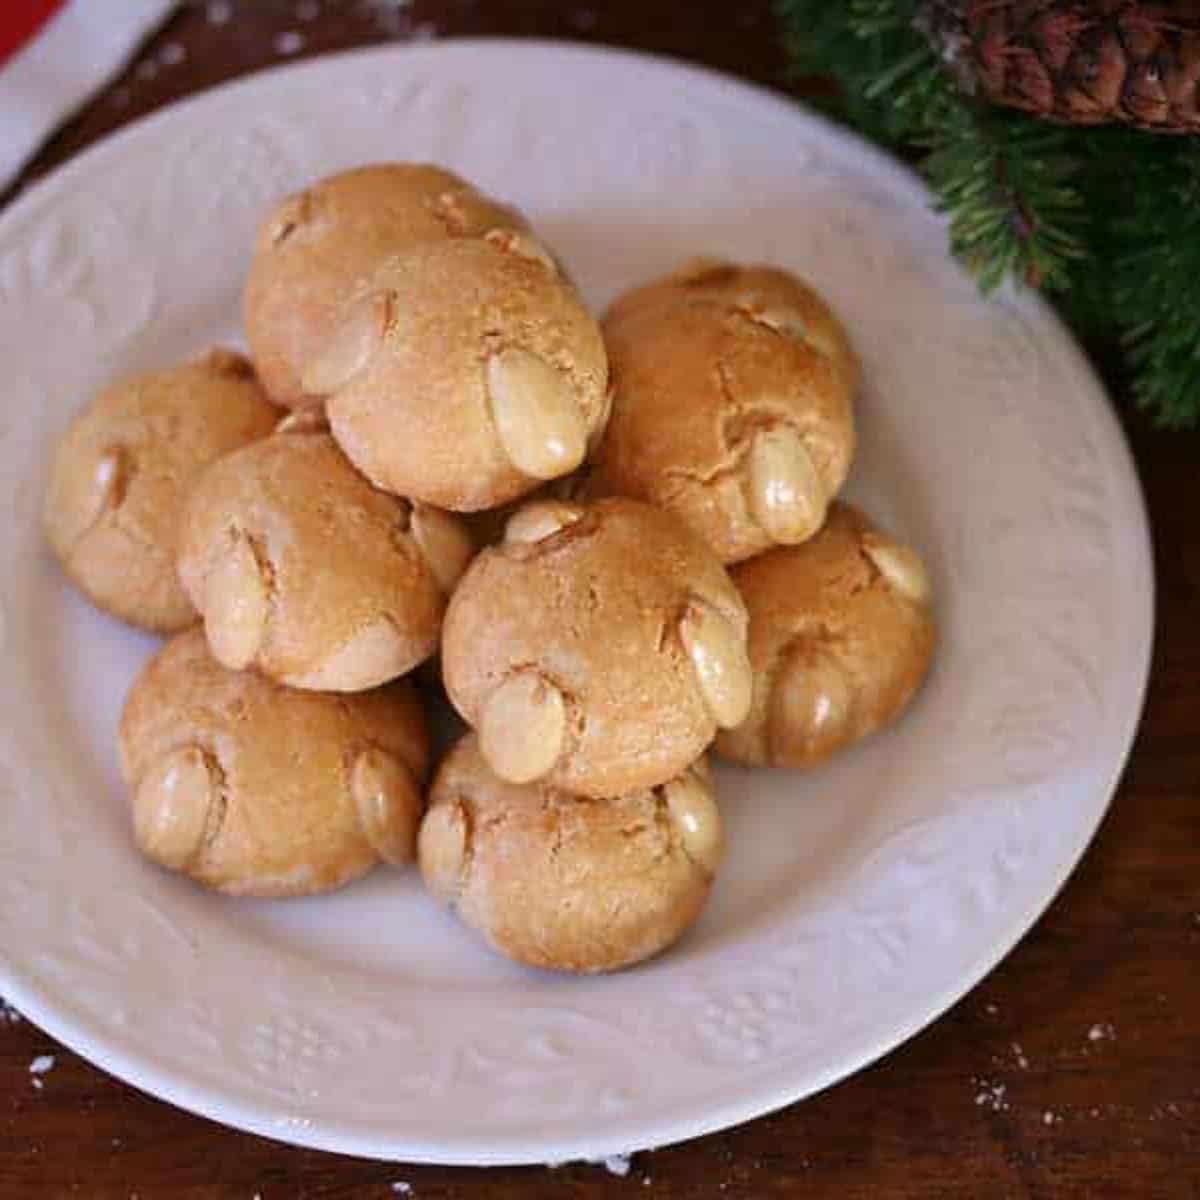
[(111, 1049)]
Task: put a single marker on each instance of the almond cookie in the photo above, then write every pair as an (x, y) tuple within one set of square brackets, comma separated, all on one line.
[(302, 569), (123, 469), (570, 884), (598, 648), (314, 247), (466, 373), (732, 404), (841, 636), (256, 790)]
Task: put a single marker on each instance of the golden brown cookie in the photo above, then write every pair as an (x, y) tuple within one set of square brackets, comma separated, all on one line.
[(598, 647), (732, 404), (553, 880), (314, 248), (467, 372), (123, 469), (253, 789), (841, 636), (303, 570)]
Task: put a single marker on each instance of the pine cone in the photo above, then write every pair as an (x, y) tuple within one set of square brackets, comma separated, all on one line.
[(1077, 62)]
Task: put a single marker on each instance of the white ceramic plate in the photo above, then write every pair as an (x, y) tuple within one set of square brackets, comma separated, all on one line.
[(857, 903)]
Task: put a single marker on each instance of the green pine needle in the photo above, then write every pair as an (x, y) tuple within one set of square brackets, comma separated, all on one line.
[(1156, 287), (1008, 188)]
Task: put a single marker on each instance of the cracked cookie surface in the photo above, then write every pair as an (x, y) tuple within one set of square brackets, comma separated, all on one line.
[(255, 789), (598, 647), (303, 570), (562, 882), (314, 247), (732, 404), (122, 472), (841, 637), (465, 373)]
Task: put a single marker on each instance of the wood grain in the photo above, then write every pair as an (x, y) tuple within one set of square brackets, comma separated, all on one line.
[(1074, 1070)]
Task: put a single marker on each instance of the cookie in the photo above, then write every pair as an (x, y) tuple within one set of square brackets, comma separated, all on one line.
[(841, 636), (598, 648), (732, 404), (315, 247), (257, 790), (565, 883), (303, 570), (467, 373), (123, 470)]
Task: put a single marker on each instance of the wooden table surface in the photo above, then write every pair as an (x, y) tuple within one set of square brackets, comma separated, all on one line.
[(1073, 1070)]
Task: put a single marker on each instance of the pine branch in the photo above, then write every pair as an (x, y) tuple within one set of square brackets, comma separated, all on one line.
[(1006, 183), (1008, 187), (1112, 159), (825, 39), (1106, 219), (1156, 289)]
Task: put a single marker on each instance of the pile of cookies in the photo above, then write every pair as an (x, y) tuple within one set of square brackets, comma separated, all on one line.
[(622, 540)]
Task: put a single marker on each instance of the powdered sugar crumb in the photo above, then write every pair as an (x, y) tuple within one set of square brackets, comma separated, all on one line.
[(402, 1188), (991, 1096), (1019, 1055), (617, 1164), (42, 1064), (289, 42), (990, 1009), (1048, 1118), (1100, 1032)]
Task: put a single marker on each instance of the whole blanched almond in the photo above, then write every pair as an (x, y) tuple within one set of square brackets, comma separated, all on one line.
[(693, 808), (236, 602), (389, 805), (535, 413), (523, 727), (718, 654), (172, 807), (786, 494)]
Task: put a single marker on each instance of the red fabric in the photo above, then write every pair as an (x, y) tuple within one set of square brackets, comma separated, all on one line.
[(20, 20)]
